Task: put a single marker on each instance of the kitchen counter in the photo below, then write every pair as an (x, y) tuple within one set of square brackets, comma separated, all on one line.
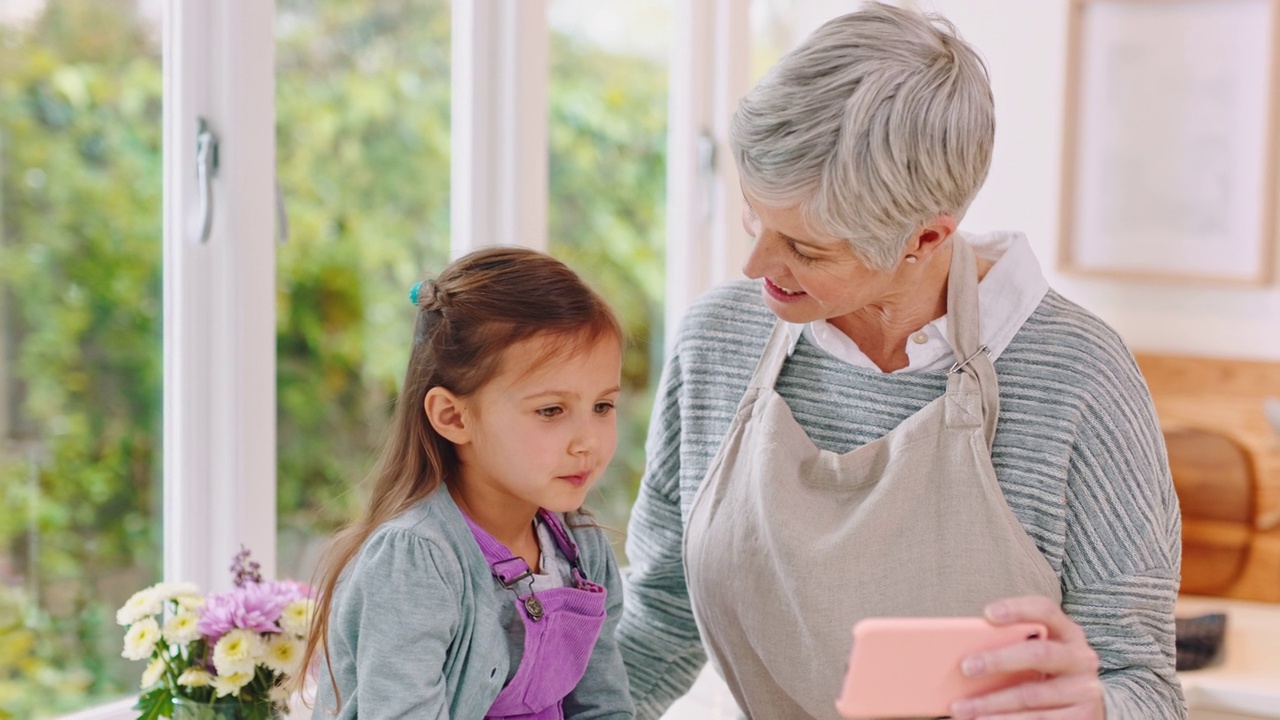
[(1244, 680)]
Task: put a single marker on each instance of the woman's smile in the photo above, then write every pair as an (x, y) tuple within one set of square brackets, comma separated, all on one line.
[(780, 293)]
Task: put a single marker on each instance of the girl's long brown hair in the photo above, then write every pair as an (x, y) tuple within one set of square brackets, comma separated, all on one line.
[(481, 304)]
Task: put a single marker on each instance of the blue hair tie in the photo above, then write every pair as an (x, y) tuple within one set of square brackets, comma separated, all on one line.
[(413, 291)]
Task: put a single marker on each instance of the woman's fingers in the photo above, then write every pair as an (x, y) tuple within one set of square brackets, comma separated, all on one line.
[(1047, 657), (1035, 608), (1074, 696), (1068, 688)]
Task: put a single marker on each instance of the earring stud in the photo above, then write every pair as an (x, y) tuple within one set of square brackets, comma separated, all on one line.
[(911, 259)]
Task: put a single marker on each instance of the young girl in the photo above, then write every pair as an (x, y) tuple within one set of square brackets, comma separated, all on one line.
[(464, 592)]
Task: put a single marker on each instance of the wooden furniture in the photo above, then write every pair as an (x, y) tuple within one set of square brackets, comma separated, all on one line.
[(1225, 458)]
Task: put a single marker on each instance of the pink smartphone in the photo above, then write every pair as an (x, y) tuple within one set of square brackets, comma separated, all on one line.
[(910, 667)]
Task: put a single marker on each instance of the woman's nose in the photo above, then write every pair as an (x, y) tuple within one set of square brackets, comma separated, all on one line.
[(757, 263)]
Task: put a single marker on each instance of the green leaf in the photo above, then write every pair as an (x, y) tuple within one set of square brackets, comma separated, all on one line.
[(157, 703)]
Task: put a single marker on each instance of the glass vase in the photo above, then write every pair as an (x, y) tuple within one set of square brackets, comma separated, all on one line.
[(222, 709)]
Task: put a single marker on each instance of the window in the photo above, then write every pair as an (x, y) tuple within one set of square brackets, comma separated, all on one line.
[(80, 346), (362, 108), (608, 119), (113, 313)]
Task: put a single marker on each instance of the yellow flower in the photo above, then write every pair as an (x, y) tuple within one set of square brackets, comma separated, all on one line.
[(296, 618), (142, 604), (237, 652), (153, 673), (283, 655), (182, 628), (194, 678), (228, 684), (141, 639)]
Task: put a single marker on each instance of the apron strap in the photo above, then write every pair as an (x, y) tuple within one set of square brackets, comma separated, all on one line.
[(772, 358), (963, 330)]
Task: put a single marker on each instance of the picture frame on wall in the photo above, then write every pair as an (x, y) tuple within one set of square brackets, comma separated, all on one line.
[(1172, 131)]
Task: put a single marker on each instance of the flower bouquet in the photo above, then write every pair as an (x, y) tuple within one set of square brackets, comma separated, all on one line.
[(226, 656)]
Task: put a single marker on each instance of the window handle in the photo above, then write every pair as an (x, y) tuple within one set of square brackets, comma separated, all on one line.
[(206, 168)]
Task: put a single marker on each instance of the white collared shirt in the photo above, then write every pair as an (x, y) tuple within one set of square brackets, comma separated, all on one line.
[(1007, 295)]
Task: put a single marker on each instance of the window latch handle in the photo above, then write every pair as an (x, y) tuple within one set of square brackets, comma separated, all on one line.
[(206, 169)]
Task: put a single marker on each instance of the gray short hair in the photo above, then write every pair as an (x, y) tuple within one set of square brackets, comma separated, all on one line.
[(881, 120)]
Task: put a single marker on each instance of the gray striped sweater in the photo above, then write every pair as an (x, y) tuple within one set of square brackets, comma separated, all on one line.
[(1078, 453)]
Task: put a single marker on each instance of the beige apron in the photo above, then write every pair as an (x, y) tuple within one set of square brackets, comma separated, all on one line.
[(788, 545)]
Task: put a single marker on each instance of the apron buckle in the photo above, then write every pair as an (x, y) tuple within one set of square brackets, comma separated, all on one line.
[(959, 364)]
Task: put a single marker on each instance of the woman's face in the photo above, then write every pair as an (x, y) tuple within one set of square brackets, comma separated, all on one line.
[(806, 277)]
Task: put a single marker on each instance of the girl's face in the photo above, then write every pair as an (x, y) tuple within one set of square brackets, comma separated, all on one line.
[(540, 433)]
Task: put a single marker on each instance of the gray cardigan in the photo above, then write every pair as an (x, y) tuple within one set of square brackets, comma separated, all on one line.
[(417, 628)]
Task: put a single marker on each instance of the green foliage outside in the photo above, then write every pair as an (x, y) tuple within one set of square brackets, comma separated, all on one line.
[(80, 237), (363, 155)]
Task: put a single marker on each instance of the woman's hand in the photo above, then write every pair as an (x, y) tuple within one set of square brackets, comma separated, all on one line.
[(1069, 690)]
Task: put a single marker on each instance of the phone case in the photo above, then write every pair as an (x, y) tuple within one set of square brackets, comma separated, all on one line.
[(910, 667)]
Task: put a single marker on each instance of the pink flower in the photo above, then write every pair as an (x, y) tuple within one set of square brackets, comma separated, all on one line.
[(252, 606)]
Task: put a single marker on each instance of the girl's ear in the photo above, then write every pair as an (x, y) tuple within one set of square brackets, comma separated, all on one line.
[(445, 413)]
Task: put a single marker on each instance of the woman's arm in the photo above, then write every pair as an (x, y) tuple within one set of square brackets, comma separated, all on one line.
[(1111, 650), (657, 635)]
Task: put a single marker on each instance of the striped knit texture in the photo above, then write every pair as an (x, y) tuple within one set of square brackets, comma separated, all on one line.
[(1078, 453)]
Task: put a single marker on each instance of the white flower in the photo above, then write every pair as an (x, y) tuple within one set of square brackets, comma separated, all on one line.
[(189, 602), (142, 604), (228, 684), (183, 593), (172, 591), (182, 628), (283, 655), (279, 696), (237, 652), (296, 618), (153, 673), (141, 639), (195, 677)]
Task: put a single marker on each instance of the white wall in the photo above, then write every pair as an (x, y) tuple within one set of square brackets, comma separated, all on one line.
[(1024, 43)]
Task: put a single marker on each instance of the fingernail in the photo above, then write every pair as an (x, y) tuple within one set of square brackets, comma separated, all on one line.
[(997, 612), (972, 666), (962, 709)]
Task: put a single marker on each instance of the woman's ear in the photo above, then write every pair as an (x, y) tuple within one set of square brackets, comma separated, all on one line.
[(930, 236), (446, 413)]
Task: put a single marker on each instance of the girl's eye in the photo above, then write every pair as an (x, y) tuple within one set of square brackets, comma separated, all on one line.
[(604, 408), (550, 412)]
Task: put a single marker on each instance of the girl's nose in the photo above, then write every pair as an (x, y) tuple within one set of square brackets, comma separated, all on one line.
[(584, 442)]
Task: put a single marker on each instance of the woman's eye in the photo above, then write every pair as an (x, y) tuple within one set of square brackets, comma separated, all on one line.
[(799, 255), (604, 408), (550, 412)]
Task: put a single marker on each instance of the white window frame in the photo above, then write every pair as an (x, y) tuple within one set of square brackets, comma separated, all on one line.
[(219, 295), (499, 143), (709, 73)]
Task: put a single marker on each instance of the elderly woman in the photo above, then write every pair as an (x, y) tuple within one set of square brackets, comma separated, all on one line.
[(895, 418)]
